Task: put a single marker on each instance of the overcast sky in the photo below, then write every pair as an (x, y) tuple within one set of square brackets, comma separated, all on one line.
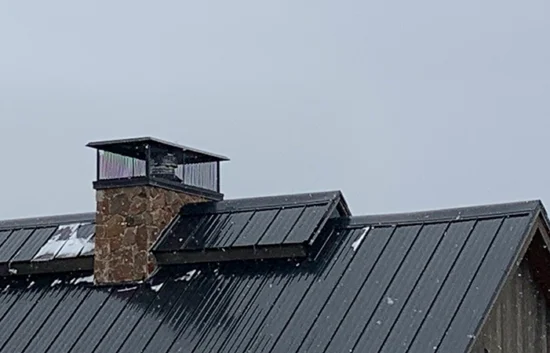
[(402, 105)]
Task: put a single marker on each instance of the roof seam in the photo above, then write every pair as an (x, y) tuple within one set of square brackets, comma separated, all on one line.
[(55, 306), (388, 286), (336, 256), (438, 292), (294, 224), (269, 226), (479, 266), (387, 241), (430, 259)]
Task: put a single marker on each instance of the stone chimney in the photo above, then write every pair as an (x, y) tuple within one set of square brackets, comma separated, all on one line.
[(141, 184)]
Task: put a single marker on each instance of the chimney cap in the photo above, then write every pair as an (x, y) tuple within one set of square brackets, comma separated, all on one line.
[(134, 147)]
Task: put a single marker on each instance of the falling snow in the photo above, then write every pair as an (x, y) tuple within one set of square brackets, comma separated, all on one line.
[(359, 240)]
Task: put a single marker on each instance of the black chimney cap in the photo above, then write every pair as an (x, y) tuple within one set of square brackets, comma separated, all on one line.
[(135, 148)]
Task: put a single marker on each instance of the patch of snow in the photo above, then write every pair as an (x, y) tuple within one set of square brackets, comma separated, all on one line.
[(87, 279), (30, 285), (76, 244), (6, 289), (359, 240), (56, 242), (157, 287), (188, 276), (390, 301), (126, 289), (12, 271), (471, 336), (89, 245), (56, 282), (379, 322)]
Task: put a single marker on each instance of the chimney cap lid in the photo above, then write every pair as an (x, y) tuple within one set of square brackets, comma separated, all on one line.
[(131, 147)]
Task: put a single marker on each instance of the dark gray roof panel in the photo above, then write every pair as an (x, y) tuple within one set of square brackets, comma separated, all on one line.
[(13, 244), (4, 235), (374, 287), (36, 317), (77, 321), (281, 226), (482, 290), (428, 286), (61, 313), (278, 220), (440, 314), (259, 223), (34, 243), (388, 308)]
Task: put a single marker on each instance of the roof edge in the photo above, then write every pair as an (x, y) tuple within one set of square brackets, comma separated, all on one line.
[(458, 213), (262, 202), (107, 143), (44, 221), (538, 215)]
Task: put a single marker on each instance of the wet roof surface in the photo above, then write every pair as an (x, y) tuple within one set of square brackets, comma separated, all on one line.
[(380, 284), (257, 222)]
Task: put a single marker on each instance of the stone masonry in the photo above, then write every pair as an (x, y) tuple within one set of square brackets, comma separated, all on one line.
[(128, 222)]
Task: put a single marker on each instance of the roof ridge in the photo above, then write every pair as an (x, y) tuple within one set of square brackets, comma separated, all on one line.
[(444, 214), (272, 201), (43, 221)]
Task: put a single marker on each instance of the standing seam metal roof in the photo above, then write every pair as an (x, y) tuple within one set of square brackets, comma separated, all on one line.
[(253, 223), (411, 283)]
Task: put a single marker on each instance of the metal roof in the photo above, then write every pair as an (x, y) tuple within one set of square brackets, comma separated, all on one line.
[(47, 244), (378, 284), (254, 225)]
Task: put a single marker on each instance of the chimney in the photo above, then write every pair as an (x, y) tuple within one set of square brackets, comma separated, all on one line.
[(141, 184)]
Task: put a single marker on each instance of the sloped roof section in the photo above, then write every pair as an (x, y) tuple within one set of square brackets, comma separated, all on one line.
[(276, 226), (47, 244), (411, 283)]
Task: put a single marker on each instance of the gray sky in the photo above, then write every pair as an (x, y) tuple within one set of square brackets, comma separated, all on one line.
[(402, 105)]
